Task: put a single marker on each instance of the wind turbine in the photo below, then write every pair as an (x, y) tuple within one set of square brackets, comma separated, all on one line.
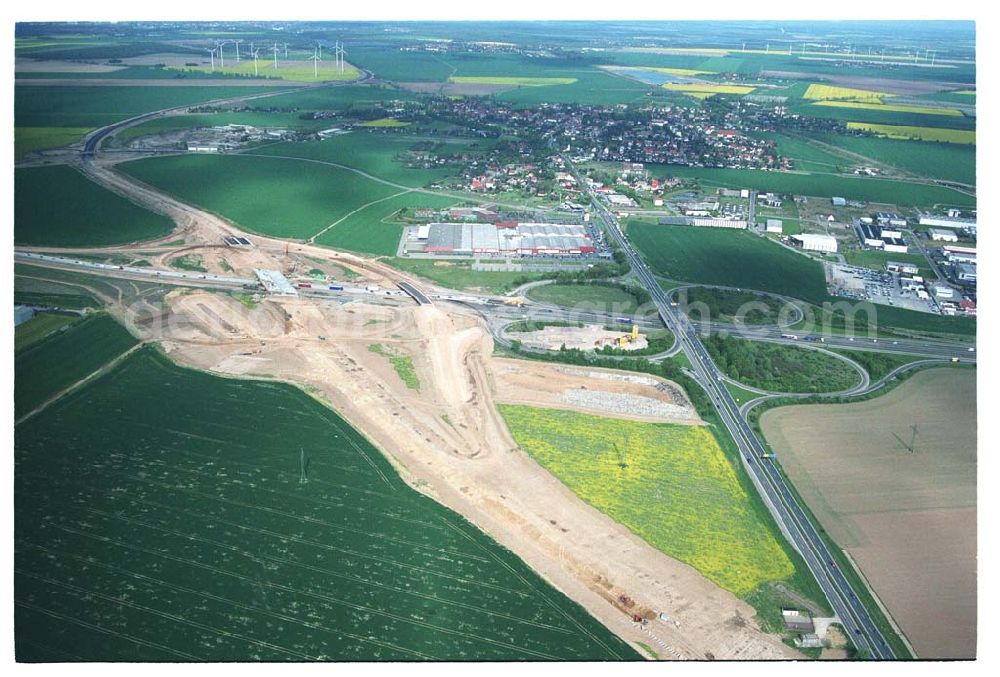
[(275, 50), (237, 42), (315, 59), (286, 50), (212, 53), (222, 59), (254, 53), (340, 53)]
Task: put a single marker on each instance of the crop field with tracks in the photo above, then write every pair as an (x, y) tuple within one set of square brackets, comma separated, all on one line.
[(273, 196), (375, 228), (949, 161), (372, 153), (195, 533), (46, 366), (727, 258), (677, 490), (61, 207)]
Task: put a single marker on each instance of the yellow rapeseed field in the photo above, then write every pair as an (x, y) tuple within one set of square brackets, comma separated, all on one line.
[(964, 136), (926, 110), (827, 92), (677, 490), (708, 89)]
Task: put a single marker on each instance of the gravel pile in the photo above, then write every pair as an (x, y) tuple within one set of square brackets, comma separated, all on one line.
[(624, 403)]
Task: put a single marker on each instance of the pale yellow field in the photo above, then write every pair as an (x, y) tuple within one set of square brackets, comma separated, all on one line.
[(907, 518), (708, 89), (513, 80), (964, 136), (969, 92), (385, 122), (818, 92), (925, 110)]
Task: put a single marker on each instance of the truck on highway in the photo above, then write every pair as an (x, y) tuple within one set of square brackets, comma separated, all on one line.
[(336, 287), (792, 337), (304, 285)]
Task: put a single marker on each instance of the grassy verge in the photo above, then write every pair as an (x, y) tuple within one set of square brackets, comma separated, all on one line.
[(403, 364)]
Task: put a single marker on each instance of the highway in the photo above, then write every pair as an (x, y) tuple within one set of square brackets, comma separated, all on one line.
[(93, 141), (791, 518)]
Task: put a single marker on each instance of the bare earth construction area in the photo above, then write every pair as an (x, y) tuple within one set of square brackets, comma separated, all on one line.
[(908, 518)]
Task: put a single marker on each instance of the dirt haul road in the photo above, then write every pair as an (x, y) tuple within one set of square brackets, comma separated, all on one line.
[(447, 439)]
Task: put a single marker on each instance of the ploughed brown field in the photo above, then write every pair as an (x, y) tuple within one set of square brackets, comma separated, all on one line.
[(908, 518)]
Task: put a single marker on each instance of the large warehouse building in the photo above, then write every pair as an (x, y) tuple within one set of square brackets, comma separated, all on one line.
[(816, 243), (508, 238)]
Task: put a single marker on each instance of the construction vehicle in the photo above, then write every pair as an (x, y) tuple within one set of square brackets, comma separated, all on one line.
[(631, 337), (514, 301)]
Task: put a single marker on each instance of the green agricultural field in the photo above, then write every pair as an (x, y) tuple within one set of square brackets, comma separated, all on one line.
[(677, 491), (883, 116), (592, 87), (273, 196), (516, 81), (46, 367), (392, 64), (335, 98), (729, 258), (37, 328), (62, 106), (375, 229), (779, 368), (59, 206), (948, 161), (31, 139), (187, 532), (29, 290), (823, 185), (917, 133), (372, 153), (594, 297), (808, 157)]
